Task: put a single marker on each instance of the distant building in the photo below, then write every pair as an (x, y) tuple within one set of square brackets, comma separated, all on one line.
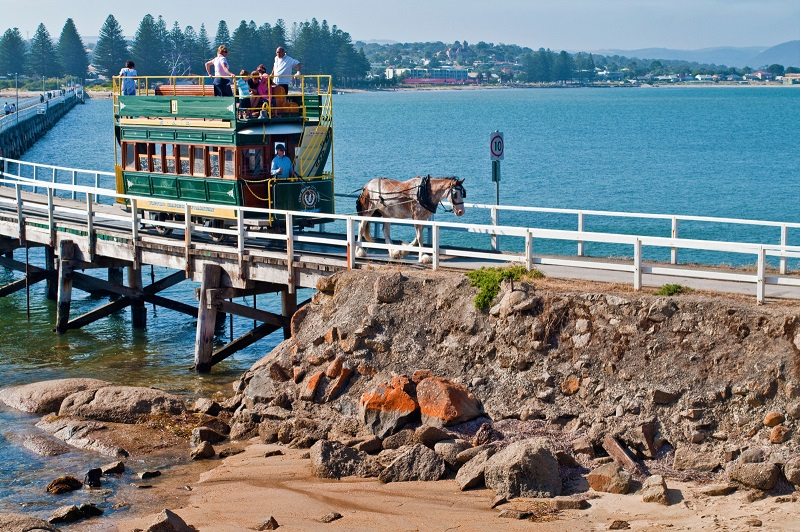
[(704, 78), (760, 75), (439, 75), (791, 79), (396, 72)]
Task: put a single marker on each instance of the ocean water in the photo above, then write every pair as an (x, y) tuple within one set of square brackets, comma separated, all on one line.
[(727, 152)]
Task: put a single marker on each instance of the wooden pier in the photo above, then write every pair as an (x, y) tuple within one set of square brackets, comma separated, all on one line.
[(81, 228)]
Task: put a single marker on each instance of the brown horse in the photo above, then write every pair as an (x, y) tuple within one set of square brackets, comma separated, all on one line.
[(416, 199)]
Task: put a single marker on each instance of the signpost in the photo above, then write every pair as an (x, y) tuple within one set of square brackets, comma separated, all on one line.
[(496, 154)]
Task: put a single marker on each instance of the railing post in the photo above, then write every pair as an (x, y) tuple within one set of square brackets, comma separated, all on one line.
[(435, 246), (290, 252), (135, 234), (90, 224), (20, 216), (762, 268), (187, 238), (783, 243), (494, 222), (74, 182), (240, 237), (51, 222), (351, 242), (637, 264), (673, 254), (580, 230), (528, 250)]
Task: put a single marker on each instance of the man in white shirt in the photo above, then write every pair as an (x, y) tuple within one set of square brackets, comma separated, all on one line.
[(282, 68)]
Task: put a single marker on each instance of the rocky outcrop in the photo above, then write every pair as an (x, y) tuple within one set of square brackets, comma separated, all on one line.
[(526, 468), (120, 404), (445, 403), (45, 397), (388, 407), (610, 478), (10, 522), (417, 463), (331, 459)]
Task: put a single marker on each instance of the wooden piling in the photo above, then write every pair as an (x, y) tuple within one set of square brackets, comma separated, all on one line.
[(65, 254), (138, 311), (288, 308), (115, 277), (50, 266), (206, 320)]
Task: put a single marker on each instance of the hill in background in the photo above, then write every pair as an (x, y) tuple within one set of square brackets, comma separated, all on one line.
[(786, 54)]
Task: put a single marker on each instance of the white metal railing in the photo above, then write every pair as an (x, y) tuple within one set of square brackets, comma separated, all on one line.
[(246, 238)]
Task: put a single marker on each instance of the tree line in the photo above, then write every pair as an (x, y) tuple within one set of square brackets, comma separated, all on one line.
[(159, 50)]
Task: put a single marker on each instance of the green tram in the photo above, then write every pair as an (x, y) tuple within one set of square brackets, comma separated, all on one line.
[(177, 141)]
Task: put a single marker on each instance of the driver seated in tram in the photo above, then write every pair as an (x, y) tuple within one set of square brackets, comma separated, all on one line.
[(281, 164)]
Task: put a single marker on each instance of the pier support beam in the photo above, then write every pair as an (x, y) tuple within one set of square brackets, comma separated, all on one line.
[(138, 310), (115, 277), (288, 308), (65, 254), (206, 320), (50, 266)]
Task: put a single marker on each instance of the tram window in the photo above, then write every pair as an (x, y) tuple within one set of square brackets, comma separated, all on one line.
[(130, 156), (230, 164), (141, 155), (199, 169), (169, 153), (182, 153), (158, 156), (213, 161), (253, 162)]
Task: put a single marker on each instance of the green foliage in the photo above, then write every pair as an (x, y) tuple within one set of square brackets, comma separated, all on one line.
[(488, 281), (672, 290), (42, 58), (147, 50), (72, 52), (13, 52), (111, 50)]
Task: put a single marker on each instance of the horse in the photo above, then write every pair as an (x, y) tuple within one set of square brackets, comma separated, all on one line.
[(417, 198)]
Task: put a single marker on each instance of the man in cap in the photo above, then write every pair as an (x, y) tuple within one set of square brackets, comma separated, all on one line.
[(281, 164)]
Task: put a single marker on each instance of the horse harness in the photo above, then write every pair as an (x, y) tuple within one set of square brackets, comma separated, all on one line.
[(424, 195)]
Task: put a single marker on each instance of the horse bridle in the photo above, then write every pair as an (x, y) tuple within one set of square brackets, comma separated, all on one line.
[(456, 186)]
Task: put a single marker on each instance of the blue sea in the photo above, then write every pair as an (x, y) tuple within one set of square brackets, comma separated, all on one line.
[(725, 152)]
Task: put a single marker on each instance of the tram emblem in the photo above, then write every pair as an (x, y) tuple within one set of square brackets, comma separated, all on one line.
[(309, 197)]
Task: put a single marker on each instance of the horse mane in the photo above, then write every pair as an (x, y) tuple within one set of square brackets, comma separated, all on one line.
[(361, 202)]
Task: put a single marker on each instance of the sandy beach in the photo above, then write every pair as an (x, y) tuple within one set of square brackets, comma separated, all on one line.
[(242, 491)]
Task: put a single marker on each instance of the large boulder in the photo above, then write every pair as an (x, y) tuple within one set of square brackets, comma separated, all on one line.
[(332, 459), (472, 473), (388, 407), (526, 468), (417, 463), (24, 523), (169, 521), (610, 478), (654, 489), (46, 396), (791, 470), (445, 403), (762, 476), (121, 404)]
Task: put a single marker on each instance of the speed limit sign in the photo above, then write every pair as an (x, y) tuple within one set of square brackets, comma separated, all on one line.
[(496, 146)]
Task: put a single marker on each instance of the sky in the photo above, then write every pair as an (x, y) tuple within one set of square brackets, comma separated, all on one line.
[(572, 25)]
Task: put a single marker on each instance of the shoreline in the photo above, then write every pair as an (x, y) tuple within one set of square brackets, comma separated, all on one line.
[(242, 491)]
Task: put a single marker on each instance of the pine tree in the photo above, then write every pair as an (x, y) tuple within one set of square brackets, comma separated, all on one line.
[(43, 59), (13, 52), (203, 51), (72, 52), (175, 53), (111, 50), (147, 50), (223, 37), (244, 47)]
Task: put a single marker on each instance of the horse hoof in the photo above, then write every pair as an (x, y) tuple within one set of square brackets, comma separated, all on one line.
[(425, 259), (360, 253), (398, 253)]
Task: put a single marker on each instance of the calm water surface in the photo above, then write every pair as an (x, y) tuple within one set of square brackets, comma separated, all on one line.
[(728, 152)]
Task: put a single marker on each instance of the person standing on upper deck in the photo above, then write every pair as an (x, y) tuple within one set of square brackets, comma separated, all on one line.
[(282, 68), (128, 75), (222, 72)]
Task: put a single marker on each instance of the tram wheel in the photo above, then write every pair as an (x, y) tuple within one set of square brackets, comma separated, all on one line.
[(217, 224), (160, 229)]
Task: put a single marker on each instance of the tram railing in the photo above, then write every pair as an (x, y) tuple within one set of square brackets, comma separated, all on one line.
[(249, 241)]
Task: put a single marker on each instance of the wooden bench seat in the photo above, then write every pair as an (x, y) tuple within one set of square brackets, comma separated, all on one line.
[(185, 90)]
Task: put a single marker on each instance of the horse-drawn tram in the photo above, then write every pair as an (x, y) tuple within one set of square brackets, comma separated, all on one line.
[(176, 141)]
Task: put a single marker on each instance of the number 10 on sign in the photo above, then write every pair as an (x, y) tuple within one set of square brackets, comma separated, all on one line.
[(496, 146)]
